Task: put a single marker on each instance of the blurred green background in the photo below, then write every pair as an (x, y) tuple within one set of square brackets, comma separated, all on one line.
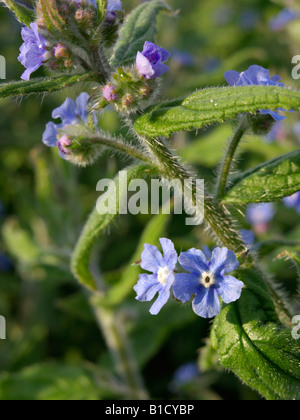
[(54, 349)]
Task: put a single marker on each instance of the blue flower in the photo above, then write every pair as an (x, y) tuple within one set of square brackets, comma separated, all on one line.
[(149, 62), (207, 280), (293, 201), (70, 113), (282, 19), (259, 216), (162, 267), (114, 6), (256, 75), (184, 375), (33, 50)]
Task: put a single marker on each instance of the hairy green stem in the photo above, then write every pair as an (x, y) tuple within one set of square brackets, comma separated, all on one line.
[(215, 215), (229, 156), (117, 144), (101, 64), (113, 328)]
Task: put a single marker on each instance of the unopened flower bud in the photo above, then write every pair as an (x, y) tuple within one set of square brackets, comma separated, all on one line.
[(60, 51), (145, 91), (82, 16), (63, 143), (127, 100), (68, 63), (109, 93)]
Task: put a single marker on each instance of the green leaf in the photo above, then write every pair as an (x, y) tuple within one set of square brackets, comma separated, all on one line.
[(292, 256), (153, 231), (255, 346), (42, 85), (268, 182), (96, 224), (49, 381), (140, 26), (213, 105), (22, 13)]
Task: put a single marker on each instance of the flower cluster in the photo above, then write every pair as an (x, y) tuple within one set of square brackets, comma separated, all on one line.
[(73, 115), (256, 75), (33, 53), (46, 41), (128, 88), (205, 278)]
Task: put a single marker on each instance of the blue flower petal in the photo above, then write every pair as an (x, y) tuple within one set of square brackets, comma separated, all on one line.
[(50, 135), (230, 289), (186, 286), (223, 261), (144, 66), (194, 261), (232, 77), (162, 299), (114, 5), (147, 287), (81, 106), (170, 254), (207, 303), (274, 115), (152, 260), (67, 112)]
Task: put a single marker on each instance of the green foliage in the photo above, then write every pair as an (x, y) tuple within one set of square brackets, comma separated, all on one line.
[(94, 226), (269, 182), (50, 317), (42, 85), (49, 382), (255, 346), (213, 105), (22, 12), (140, 26)]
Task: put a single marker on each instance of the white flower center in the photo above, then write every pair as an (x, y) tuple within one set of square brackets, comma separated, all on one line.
[(207, 280), (163, 275)]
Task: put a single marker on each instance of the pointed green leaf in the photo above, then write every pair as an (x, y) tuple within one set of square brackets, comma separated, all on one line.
[(268, 182), (140, 26), (42, 85), (255, 346), (213, 105), (22, 12), (95, 225)]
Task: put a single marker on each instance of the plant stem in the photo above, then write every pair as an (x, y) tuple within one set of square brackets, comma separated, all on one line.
[(233, 145), (119, 145), (215, 215), (114, 332), (101, 65)]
